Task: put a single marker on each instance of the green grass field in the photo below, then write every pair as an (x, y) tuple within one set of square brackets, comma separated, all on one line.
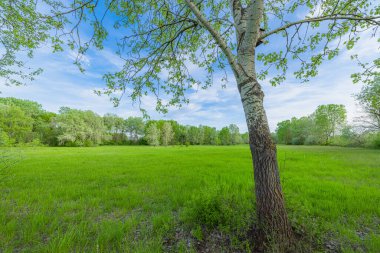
[(183, 199)]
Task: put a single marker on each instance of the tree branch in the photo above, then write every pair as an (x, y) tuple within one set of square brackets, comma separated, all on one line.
[(70, 11), (372, 20), (236, 10), (216, 35)]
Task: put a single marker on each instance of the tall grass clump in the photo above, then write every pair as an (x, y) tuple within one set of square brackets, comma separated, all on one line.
[(221, 214)]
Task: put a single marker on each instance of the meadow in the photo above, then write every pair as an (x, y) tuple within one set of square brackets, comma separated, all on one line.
[(183, 199)]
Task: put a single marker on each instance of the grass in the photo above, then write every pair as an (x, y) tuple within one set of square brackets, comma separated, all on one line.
[(183, 199)]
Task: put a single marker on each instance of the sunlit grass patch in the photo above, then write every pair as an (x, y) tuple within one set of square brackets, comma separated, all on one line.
[(147, 199)]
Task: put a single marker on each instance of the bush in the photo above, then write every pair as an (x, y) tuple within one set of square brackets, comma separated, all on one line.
[(376, 141), (88, 143), (226, 211), (299, 140), (372, 140), (311, 140), (4, 139), (226, 208), (33, 143)]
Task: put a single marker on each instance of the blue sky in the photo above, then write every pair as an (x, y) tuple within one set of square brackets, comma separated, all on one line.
[(62, 84)]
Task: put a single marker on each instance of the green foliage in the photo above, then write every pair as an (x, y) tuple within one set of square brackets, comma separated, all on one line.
[(224, 208), (115, 129), (194, 135), (166, 134), (30, 108), (25, 122), (225, 136), (152, 135), (16, 124), (235, 134), (283, 132), (42, 129), (23, 29), (372, 140), (210, 135), (349, 138), (329, 119), (326, 126), (158, 46), (78, 128), (369, 99), (245, 138), (4, 139), (8, 159), (294, 131), (319, 128), (135, 127)]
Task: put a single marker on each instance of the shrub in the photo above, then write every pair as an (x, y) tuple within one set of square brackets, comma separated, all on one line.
[(311, 140), (227, 208), (4, 139), (372, 140), (297, 140)]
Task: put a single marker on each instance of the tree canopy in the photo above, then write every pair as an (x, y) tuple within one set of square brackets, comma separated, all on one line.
[(369, 98), (161, 39)]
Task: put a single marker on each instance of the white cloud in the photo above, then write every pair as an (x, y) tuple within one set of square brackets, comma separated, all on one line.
[(62, 84), (81, 58)]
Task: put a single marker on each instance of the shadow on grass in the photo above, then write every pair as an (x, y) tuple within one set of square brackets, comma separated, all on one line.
[(223, 220)]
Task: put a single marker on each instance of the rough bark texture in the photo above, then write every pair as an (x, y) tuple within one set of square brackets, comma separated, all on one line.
[(273, 222), (274, 226)]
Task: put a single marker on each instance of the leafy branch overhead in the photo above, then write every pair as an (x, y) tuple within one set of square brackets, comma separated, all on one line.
[(162, 42)]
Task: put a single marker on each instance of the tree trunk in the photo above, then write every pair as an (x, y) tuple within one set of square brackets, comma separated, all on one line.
[(273, 223)]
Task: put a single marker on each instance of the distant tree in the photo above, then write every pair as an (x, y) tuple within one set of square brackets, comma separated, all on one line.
[(235, 134), (181, 134), (201, 135), (328, 120), (194, 135), (110, 122), (167, 134), (41, 128), (152, 135), (135, 127), (30, 108), (245, 138), (284, 132), (369, 99), (16, 124), (210, 135), (225, 136), (349, 136), (4, 139), (176, 131), (300, 130), (116, 128), (78, 128)]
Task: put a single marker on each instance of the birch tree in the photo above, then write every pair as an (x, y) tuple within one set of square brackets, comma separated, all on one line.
[(369, 99), (167, 133), (152, 135), (161, 38)]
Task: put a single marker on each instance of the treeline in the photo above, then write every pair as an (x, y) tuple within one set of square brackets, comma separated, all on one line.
[(24, 122), (327, 125)]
